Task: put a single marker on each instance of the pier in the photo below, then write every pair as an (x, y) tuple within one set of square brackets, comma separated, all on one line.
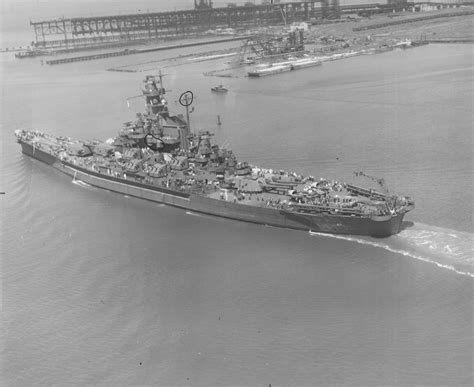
[(101, 30), (84, 33)]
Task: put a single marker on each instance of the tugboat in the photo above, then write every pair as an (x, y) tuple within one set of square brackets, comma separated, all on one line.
[(219, 89), (158, 158)]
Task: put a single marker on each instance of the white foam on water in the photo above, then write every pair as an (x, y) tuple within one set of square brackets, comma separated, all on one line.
[(270, 226), (198, 215), (80, 183), (442, 247), (455, 245)]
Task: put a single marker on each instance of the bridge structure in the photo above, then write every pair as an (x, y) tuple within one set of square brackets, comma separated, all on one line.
[(119, 29)]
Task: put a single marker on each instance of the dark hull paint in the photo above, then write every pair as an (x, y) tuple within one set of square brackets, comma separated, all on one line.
[(37, 153), (324, 223)]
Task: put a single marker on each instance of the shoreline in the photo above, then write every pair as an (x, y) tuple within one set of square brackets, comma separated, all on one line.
[(323, 42)]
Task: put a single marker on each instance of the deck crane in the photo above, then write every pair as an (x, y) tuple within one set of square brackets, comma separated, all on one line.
[(379, 181)]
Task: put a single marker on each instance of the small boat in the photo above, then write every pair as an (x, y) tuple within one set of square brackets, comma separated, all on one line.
[(219, 89), (30, 53), (403, 44), (248, 61)]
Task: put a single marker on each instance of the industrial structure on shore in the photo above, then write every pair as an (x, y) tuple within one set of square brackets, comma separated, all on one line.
[(99, 31)]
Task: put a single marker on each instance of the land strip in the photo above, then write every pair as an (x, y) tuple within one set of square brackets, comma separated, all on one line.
[(414, 19)]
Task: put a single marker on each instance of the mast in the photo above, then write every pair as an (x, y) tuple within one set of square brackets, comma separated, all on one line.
[(187, 128), (187, 116), (186, 99), (160, 75)]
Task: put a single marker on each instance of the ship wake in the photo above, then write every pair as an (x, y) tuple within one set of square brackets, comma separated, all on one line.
[(447, 249)]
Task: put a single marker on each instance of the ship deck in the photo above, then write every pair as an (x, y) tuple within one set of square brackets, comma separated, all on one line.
[(261, 188), (256, 199)]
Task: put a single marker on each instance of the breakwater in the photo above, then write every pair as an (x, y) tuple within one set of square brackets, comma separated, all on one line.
[(84, 58)]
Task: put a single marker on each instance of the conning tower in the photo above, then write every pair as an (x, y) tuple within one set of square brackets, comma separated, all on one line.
[(154, 93)]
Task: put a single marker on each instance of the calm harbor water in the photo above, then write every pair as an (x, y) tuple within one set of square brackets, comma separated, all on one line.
[(102, 288)]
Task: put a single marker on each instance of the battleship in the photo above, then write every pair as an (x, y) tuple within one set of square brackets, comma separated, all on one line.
[(157, 157)]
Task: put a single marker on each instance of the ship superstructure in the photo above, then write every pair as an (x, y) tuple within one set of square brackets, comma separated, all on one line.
[(157, 157)]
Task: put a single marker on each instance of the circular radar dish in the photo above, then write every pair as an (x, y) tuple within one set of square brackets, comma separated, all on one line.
[(186, 98)]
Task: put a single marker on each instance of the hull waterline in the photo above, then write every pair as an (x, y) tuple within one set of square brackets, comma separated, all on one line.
[(322, 223)]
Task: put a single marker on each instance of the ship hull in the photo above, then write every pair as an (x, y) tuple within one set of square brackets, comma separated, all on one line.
[(323, 223), (37, 153)]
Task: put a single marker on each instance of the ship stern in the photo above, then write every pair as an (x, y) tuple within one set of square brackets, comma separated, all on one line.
[(384, 226)]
